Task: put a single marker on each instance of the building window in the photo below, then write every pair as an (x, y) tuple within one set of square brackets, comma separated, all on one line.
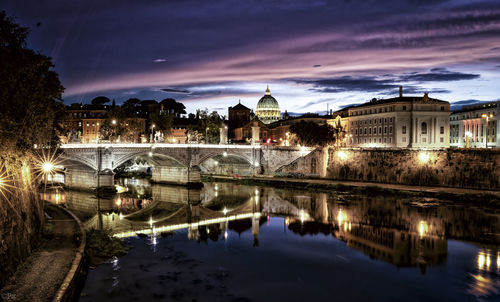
[(374, 130), (390, 120), (424, 139), (369, 130), (385, 130), (441, 130), (404, 129), (442, 108), (365, 130), (390, 129), (441, 139), (403, 139), (404, 108), (424, 128)]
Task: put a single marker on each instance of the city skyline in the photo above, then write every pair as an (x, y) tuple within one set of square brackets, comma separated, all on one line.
[(312, 55)]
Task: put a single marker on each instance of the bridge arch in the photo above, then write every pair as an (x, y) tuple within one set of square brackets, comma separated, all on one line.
[(149, 156), (69, 161), (203, 158)]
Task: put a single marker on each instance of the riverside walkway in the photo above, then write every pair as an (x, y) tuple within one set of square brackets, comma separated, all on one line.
[(40, 276)]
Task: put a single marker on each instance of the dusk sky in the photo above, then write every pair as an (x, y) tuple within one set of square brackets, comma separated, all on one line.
[(210, 54)]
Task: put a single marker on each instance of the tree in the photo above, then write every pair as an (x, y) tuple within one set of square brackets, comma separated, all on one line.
[(131, 106), (208, 125), (30, 93), (100, 100), (162, 123), (171, 106), (312, 134)]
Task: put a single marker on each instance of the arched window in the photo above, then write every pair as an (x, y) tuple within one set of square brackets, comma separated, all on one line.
[(424, 128)]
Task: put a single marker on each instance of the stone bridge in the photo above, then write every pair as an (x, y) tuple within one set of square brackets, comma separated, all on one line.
[(92, 165)]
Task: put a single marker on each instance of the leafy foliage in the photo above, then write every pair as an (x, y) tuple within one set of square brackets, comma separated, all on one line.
[(171, 106), (100, 100), (206, 125), (30, 94), (312, 134)]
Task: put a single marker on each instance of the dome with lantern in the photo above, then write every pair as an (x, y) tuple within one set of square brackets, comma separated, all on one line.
[(268, 109)]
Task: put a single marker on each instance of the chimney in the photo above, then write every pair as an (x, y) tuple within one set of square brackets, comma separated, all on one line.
[(400, 91)]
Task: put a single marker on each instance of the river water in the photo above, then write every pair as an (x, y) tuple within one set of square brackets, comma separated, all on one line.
[(230, 242)]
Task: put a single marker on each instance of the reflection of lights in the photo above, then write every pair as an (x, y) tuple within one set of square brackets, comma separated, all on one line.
[(224, 211), (208, 231), (345, 226), (216, 194), (484, 261), (480, 260), (341, 216), (150, 154), (224, 154), (121, 216), (119, 201), (343, 155), (287, 221), (151, 221), (256, 192), (216, 188), (171, 228), (349, 226), (498, 261), (302, 216), (423, 157), (422, 228), (225, 235)]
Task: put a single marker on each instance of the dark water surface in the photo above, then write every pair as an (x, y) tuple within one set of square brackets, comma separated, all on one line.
[(246, 243)]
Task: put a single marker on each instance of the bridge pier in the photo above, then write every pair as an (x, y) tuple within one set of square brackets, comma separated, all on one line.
[(177, 175), (89, 179)]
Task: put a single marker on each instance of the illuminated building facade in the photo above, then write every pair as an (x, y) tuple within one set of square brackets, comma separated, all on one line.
[(475, 126), (400, 122)]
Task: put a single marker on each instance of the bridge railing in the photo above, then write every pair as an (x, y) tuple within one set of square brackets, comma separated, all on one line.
[(159, 145)]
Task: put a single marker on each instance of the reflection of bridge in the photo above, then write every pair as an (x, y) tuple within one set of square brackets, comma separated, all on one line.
[(172, 163), (168, 217)]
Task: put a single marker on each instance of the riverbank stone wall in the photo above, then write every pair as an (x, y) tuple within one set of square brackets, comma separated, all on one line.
[(464, 168)]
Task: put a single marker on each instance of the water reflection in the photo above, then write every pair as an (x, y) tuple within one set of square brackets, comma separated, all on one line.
[(404, 232)]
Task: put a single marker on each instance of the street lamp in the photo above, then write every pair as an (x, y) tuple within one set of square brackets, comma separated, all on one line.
[(206, 135)]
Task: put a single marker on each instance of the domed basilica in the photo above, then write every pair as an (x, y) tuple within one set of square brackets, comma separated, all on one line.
[(268, 109)]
